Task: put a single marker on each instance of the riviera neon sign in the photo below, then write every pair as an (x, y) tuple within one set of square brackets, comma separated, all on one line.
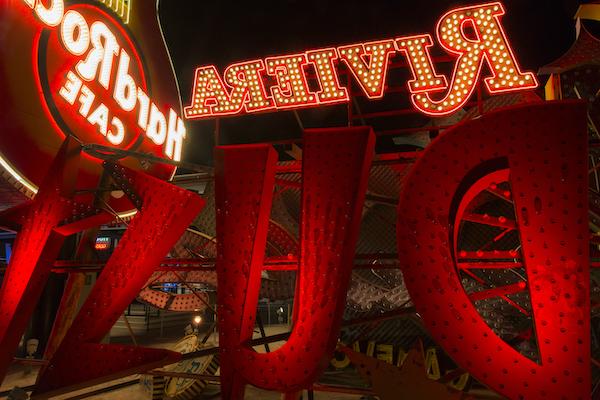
[(99, 47), (473, 34)]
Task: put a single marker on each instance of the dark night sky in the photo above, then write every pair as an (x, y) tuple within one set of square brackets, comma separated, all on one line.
[(222, 32)]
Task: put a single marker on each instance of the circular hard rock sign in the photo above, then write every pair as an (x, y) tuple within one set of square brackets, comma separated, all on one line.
[(99, 74)]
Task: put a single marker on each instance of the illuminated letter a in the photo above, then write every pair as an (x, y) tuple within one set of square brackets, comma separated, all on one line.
[(335, 170), (544, 148)]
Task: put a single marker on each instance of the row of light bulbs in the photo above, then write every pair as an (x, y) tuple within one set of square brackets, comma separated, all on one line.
[(243, 86)]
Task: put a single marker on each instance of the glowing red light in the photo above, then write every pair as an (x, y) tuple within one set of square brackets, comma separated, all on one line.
[(102, 243)]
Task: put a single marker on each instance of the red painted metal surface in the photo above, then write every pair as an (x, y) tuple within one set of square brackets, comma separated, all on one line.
[(71, 296), (280, 284), (165, 213), (335, 170), (545, 148), (66, 312), (43, 224)]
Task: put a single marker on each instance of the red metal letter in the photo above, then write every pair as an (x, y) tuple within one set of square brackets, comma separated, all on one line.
[(545, 148), (335, 168), (44, 222), (165, 212)]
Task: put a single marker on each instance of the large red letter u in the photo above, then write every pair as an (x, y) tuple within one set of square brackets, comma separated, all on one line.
[(335, 170)]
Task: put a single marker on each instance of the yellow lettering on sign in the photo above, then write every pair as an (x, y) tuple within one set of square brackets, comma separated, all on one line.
[(401, 357), (432, 364), (370, 349), (121, 7), (460, 383), (385, 352)]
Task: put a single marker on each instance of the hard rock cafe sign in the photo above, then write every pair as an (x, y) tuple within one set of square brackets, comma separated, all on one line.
[(81, 70), (97, 72)]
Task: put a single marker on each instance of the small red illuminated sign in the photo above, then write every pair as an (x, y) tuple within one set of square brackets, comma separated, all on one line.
[(102, 243), (242, 88)]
